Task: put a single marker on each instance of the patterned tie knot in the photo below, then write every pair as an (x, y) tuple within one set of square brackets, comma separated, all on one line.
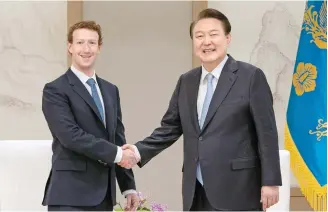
[(91, 82)]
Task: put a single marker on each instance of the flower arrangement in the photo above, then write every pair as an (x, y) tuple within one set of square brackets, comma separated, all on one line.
[(143, 206)]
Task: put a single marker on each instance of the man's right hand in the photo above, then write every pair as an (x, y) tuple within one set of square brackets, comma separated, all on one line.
[(128, 159)]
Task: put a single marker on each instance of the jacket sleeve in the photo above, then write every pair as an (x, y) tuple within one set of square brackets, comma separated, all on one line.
[(261, 106), (125, 177)]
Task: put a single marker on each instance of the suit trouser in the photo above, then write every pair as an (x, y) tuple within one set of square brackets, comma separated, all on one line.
[(201, 203), (105, 205)]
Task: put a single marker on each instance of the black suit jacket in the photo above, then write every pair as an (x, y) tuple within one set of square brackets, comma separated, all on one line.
[(238, 145), (84, 149)]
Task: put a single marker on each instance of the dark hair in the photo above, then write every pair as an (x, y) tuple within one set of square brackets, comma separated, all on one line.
[(91, 25), (211, 13)]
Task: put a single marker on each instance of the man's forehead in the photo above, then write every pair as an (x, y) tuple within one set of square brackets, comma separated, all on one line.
[(86, 37), (85, 33)]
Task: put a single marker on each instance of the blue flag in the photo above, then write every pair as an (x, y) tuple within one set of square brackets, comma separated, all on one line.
[(306, 128)]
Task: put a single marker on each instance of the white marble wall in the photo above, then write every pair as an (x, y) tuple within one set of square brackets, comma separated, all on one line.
[(266, 34), (32, 52)]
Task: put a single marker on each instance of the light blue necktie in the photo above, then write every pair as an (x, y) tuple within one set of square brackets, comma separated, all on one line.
[(207, 101), (94, 93)]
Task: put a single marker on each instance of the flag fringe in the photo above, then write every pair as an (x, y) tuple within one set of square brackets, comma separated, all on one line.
[(313, 192)]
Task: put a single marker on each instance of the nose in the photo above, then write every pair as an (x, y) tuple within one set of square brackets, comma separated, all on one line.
[(86, 47), (207, 40)]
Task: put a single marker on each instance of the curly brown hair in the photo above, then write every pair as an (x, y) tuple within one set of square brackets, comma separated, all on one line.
[(91, 25)]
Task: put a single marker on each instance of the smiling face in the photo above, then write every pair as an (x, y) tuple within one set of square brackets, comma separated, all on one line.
[(84, 49), (210, 42)]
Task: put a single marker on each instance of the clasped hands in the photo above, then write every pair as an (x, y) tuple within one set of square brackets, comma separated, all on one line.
[(129, 158)]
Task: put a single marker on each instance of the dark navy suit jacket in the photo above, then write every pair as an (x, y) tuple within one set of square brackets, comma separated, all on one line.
[(84, 149), (238, 145)]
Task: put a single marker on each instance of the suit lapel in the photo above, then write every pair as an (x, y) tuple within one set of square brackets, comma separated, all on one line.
[(108, 103), (193, 86), (226, 81), (80, 89)]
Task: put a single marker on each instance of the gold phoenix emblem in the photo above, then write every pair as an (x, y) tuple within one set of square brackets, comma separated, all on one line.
[(317, 29), (304, 78)]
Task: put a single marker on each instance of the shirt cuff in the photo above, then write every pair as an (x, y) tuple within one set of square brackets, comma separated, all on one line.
[(119, 155), (131, 191)]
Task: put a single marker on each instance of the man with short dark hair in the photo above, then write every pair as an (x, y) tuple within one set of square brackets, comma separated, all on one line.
[(224, 109), (83, 113)]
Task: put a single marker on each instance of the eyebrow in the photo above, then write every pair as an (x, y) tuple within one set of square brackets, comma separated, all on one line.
[(81, 39), (213, 30)]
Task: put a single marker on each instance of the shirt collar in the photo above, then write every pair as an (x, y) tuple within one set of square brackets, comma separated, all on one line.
[(216, 72), (82, 76)]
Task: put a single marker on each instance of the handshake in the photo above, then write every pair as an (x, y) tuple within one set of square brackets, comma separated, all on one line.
[(130, 156)]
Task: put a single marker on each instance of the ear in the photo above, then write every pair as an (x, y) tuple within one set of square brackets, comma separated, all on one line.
[(194, 46), (228, 38), (69, 47), (99, 47)]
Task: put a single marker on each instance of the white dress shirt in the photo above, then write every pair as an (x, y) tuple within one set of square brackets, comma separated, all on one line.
[(84, 78), (203, 84)]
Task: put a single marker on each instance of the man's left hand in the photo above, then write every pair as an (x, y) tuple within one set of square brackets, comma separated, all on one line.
[(269, 196), (132, 202)]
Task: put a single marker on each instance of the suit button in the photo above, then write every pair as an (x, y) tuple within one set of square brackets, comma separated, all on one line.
[(200, 138)]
